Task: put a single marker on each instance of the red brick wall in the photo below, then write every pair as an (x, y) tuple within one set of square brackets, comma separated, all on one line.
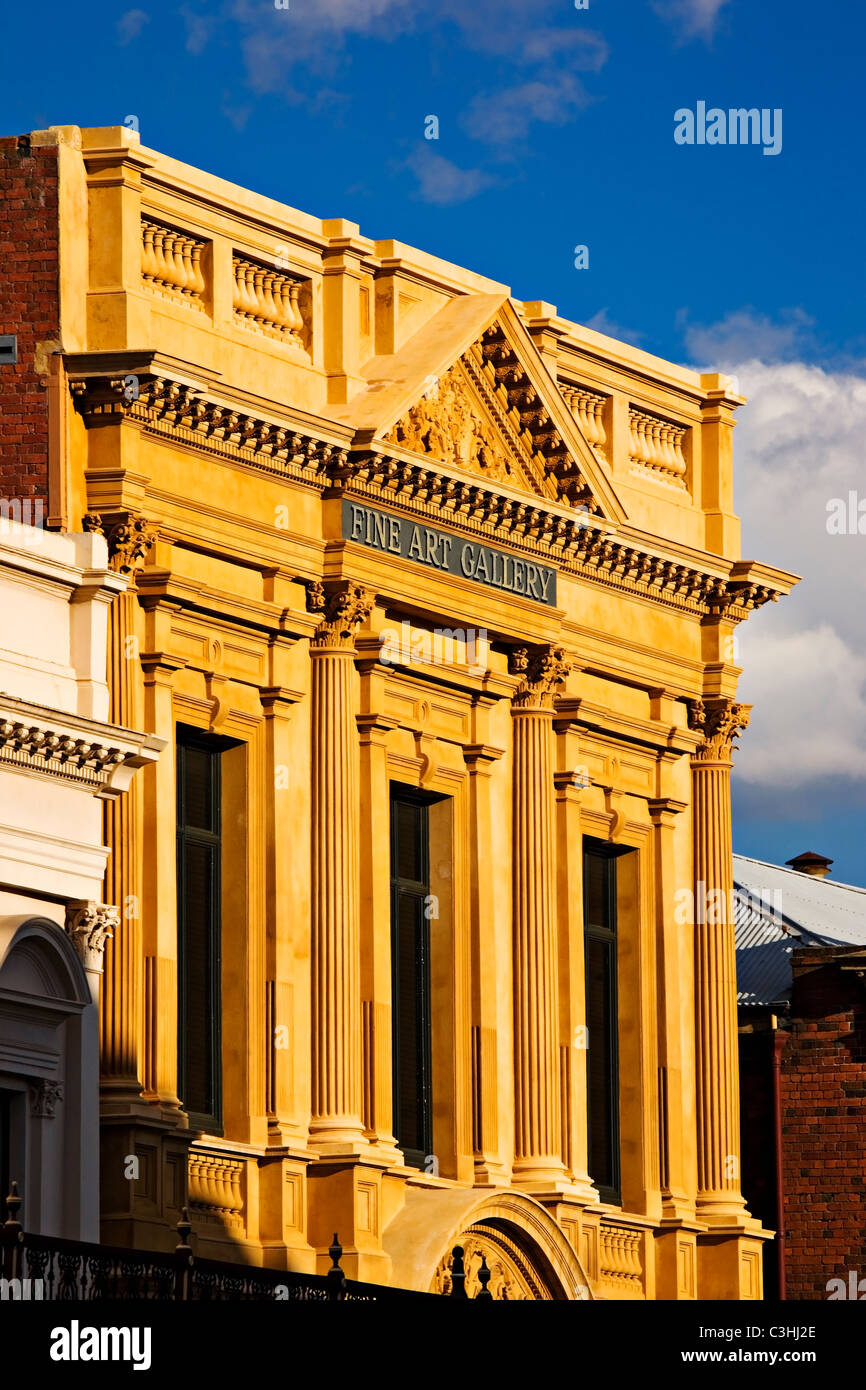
[(30, 307), (824, 1124), (758, 1169)]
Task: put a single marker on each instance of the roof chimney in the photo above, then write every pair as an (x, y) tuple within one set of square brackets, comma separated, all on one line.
[(813, 864)]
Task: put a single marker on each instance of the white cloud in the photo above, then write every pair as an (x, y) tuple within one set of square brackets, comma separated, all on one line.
[(130, 25), (695, 19), (503, 117), (744, 334), (440, 181), (601, 322), (798, 444)]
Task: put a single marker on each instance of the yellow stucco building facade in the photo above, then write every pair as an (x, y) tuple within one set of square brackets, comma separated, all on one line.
[(431, 596)]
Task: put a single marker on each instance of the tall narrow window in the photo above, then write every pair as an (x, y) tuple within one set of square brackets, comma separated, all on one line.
[(410, 975), (198, 917), (599, 917)]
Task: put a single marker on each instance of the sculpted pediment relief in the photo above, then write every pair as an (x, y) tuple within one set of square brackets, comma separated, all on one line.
[(471, 392), (451, 423)]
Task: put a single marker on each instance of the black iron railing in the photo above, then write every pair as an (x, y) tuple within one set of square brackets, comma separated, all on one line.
[(55, 1270)]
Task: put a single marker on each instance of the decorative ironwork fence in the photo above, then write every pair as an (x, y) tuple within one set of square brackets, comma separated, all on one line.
[(56, 1270)]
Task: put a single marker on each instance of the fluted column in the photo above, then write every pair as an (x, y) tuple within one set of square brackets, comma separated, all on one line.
[(130, 538), (718, 1100), (336, 940), (537, 1119)]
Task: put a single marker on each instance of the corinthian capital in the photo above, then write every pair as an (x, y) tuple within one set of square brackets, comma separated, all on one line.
[(541, 670), (344, 608), (720, 722), (128, 540), (89, 925)]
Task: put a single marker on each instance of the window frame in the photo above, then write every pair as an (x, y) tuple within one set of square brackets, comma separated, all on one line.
[(610, 1192), (419, 889), (189, 737)]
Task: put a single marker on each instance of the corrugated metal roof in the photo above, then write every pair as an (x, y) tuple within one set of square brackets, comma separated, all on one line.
[(777, 909)]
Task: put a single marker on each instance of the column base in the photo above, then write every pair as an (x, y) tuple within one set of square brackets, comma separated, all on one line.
[(347, 1142), (676, 1260), (724, 1209), (545, 1177), (489, 1172), (730, 1264)]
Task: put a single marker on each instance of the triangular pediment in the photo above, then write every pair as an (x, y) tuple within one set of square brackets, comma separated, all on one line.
[(471, 392)]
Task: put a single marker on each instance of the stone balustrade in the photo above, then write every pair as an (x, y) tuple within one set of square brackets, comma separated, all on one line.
[(267, 300), (588, 408), (171, 262), (264, 298), (657, 444), (620, 1260), (216, 1188)]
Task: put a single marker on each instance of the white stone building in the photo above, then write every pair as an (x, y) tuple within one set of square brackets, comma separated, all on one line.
[(60, 759)]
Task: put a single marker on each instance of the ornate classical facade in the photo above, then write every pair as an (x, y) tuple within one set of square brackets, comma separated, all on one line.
[(405, 964)]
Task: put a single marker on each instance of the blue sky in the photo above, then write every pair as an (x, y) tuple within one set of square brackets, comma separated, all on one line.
[(555, 130)]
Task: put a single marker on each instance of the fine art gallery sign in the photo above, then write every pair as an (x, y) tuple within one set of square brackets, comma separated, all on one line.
[(427, 545)]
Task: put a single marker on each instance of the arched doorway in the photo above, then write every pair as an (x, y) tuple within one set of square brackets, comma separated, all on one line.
[(527, 1253), (49, 1080)]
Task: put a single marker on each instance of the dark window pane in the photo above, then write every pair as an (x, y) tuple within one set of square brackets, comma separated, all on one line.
[(198, 886), (198, 915), (600, 1061), (595, 873), (599, 879), (198, 788), (409, 855), (410, 966)]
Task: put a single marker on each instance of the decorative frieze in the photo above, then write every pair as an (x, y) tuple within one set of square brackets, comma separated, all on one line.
[(268, 301), (89, 925), (579, 542), (657, 444), (102, 757), (171, 262)]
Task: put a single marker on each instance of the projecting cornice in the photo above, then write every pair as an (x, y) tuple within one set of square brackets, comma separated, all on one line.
[(102, 758), (167, 401)]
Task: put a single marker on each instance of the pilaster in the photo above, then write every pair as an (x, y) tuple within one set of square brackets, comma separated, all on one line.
[(336, 1123), (489, 1165), (537, 1090), (719, 1199), (571, 780)]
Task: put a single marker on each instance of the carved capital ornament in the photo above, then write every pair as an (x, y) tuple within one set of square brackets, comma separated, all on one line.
[(719, 721), (344, 609), (129, 541), (541, 670), (89, 925)]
